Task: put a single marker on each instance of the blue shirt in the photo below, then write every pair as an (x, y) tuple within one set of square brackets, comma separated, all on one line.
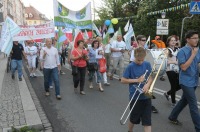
[(189, 77), (92, 55), (134, 71)]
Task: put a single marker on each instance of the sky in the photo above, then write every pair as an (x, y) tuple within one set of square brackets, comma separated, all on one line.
[(46, 6)]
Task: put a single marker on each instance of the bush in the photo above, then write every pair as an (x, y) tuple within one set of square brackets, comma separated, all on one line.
[(24, 129)]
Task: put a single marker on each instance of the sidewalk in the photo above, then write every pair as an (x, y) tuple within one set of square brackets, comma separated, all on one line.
[(16, 104)]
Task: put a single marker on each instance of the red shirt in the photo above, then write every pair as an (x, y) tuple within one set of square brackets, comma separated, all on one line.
[(79, 62)]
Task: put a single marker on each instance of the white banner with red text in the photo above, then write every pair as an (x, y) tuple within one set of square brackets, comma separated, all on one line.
[(33, 32)]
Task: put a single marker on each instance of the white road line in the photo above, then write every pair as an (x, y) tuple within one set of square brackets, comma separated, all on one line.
[(155, 90)]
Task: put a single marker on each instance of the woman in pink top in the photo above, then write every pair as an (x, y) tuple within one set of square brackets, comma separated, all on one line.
[(79, 57)]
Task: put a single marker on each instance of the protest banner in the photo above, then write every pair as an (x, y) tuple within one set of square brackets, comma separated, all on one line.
[(46, 30)]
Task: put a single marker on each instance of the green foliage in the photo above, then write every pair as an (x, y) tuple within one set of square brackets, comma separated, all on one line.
[(137, 10), (24, 129)]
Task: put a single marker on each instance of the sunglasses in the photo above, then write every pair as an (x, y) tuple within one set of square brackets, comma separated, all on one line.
[(143, 40), (158, 39)]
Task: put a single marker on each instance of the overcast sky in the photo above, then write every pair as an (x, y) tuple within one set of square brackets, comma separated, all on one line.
[(46, 6)]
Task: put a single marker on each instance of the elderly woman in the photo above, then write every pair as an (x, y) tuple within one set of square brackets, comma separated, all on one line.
[(79, 57)]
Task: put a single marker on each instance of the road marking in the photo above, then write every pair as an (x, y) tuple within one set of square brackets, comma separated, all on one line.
[(155, 90)]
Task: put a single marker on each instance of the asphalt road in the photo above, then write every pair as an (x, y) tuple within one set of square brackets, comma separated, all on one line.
[(101, 111)]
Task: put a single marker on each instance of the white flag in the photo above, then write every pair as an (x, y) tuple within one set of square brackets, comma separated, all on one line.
[(94, 27), (10, 28), (147, 43), (126, 27)]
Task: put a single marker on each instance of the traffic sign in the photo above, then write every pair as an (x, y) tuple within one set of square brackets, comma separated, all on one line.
[(162, 27), (162, 32), (162, 23), (194, 7)]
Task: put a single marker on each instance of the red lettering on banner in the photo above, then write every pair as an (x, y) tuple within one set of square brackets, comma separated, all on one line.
[(44, 31), (26, 33)]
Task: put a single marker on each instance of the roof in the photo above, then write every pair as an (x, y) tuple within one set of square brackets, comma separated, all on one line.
[(36, 14)]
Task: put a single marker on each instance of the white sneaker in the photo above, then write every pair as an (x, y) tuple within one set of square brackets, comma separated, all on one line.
[(31, 75), (91, 86), (34, 75), (51, 87)]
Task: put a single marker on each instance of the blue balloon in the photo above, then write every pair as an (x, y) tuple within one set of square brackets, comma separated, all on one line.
[(107, 22)]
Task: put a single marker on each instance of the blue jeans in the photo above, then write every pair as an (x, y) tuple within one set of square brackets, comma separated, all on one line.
[(16, 64), (189, 98), (48, 73), (51, 80)]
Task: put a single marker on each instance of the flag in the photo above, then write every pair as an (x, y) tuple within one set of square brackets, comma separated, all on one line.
[(127, 26), (114, 37), (110, 29), (104, 28), (78, 36), (9, 29), (100, 30), (93, 34), (85, 35), (147, 43), (94, 27), (119, 31), (61, 38), (127, 37), (105, 38), (64, 17)]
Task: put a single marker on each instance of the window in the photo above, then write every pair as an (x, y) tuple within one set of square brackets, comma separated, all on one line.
[(26, 15), (30, 15), (35, 22)]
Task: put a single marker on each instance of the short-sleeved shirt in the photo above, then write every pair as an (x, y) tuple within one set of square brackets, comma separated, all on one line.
[(79, 62), (99, 56), (107, 48), (189, 77), (134, 71), (17, 52), (118, 45), (92, 55), (32, 50)]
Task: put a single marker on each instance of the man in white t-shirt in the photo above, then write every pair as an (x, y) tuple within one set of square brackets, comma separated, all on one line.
[(31, 52), (117, 49)]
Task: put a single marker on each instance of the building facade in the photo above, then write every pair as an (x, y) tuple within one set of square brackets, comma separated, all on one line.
[(14, 9), (34, 17)]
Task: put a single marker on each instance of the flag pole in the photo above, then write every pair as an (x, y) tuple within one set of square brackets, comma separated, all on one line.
[(91, 16)]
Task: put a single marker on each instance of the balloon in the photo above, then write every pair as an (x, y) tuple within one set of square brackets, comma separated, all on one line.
[(107, 22), (114, 20)]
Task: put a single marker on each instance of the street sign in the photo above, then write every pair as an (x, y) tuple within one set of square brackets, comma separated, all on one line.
[(194, 7), (162, 32), (162, 26), (162, 23)]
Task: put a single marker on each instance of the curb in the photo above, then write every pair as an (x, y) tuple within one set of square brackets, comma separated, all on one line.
[(46, 125)]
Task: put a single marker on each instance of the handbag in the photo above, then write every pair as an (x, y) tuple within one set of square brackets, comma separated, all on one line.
[(102, 65), (74, 70)]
